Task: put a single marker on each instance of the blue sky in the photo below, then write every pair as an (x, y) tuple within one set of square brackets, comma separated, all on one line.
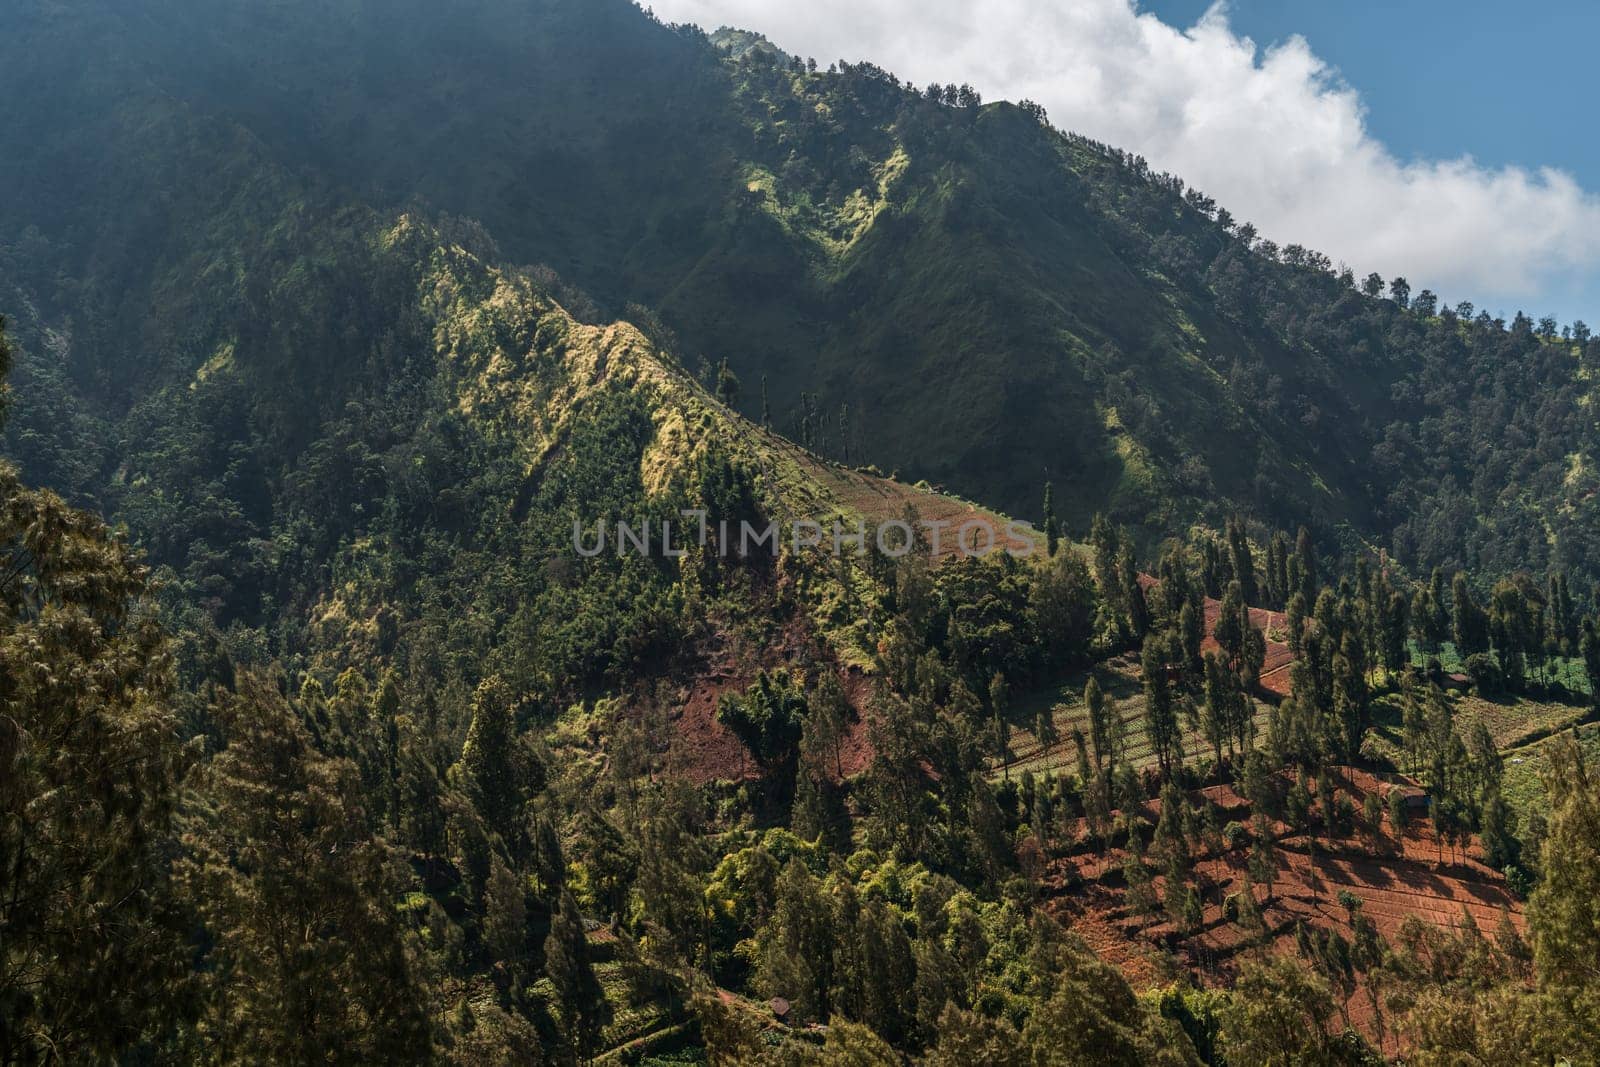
[(1445, 142), (1504, 83), (1509, 85)]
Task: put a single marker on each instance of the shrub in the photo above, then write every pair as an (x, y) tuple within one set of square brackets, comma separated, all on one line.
[(1484, 672)]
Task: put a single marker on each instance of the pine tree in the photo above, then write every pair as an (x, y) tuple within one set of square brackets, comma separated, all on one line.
[(1052, 532), (505, 915), (1397, 814), (1133, 593), (490, 759), (1233, 622), (1105, 727), (999, 706), (549, 865), (1106, 545), (1304, 566), (1438, 623), (1498, 825), (727, 384), (1161, 715), (1191, 635), (1394, 625), (386, 721), (1045, 730), (1264, 855), (89, 769), (306, 959), (1469, 624), (1251, 662), (1564, 911), (1295, 622), (579, 996), (1589, 649), (888, 970), (1244, 566), (1278, 570), (421, 794)]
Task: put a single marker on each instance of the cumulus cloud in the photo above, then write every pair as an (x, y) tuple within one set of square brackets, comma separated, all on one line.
[(1275, 135)]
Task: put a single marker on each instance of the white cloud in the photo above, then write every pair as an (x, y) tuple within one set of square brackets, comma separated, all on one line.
[(1274, 135)]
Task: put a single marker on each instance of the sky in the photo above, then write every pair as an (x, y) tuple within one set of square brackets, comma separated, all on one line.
[(1447, 141)]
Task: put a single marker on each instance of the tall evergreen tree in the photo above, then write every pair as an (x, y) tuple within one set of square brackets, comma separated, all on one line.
[(1161, 712), (578, 993), (1564, 911), (1278, 570), (1589, 650), (1052, 532), (1469, 623), (1106, 545), (306, 958), (999, 708), (1303, 566), (1133, 593), (490, 757), (1244, 564), (89, 766), (1105, 729)]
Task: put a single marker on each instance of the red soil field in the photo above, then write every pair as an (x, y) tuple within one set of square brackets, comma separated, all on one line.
[(1275, 670), (1392, 879), (704, 751)]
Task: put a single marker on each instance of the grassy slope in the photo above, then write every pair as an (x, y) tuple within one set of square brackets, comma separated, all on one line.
[(1119, 680), (1524, 786)]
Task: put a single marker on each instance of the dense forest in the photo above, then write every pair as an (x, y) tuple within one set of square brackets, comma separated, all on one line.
[(329, 324)]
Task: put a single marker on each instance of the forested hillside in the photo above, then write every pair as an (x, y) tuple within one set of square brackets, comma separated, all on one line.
[(333, 329), (943, 288)]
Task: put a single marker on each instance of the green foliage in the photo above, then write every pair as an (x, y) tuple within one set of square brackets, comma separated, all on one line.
[(355, 448), (1184, 393), (89, 770), (1279, 1016), (768, 716), (1564, 912), (306, 954), (583, 1005)]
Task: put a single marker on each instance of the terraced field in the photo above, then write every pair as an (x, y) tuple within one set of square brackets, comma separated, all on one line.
[(1516, 722), (1523, 785), (1393, 879), (1119, 678)]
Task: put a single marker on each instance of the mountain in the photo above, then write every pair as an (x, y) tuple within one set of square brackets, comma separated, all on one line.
[(957, 293), (366, 324)]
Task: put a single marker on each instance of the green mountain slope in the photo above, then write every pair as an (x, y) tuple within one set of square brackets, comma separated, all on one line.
[(958, 293), (351, 313)]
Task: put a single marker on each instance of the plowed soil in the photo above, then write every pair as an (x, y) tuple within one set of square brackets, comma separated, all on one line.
[(1392, 878)]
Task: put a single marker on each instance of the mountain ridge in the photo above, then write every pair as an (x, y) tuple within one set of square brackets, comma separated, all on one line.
[(955, 292)]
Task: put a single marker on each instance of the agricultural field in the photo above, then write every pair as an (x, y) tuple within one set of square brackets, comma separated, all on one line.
[(1524, 785), (1516, 722), (1387, 877), (1119, 679), (1567, 673), (1513, 722)]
